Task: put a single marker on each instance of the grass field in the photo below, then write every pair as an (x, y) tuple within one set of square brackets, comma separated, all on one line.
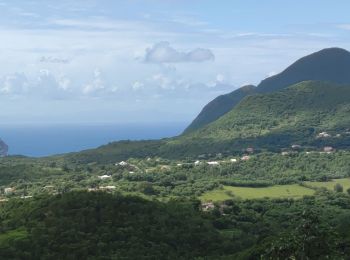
[(277, 191), (330, 184)]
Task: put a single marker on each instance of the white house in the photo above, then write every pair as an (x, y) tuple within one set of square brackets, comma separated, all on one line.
[(208, 206), (26, 197), (103, 177), (213, 163), (328, 149), (197, 163), (9, 191), (323, 135), (107, 188), (122, 163), (233, 160), (245, 158), (250, 150)]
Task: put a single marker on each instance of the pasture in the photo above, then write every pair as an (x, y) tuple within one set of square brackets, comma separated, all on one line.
[(345, 182), (278, 191)]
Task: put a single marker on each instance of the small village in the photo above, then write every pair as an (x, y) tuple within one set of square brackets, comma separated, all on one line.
[(153, 165)]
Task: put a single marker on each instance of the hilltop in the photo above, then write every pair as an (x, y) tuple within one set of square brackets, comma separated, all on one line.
[(331, 65)]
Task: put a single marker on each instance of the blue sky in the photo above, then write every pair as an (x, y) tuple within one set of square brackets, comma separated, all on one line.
[(96, 61)]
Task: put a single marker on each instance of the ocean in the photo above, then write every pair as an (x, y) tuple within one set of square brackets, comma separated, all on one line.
[(44, 140)]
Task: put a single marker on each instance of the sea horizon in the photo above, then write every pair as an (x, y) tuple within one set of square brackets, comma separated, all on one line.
[(40, 140)]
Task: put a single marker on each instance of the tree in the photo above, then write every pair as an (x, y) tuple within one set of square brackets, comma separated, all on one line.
[(338, 188)]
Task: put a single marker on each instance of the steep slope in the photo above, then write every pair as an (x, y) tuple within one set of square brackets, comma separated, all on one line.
[(331, 65), (220, 106), (296, 114), (3, 148)]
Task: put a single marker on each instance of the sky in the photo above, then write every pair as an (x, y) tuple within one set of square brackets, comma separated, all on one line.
[(113, 61)]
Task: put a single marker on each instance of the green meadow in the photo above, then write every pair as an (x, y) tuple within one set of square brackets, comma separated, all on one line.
[(277, 191), (330, 184)]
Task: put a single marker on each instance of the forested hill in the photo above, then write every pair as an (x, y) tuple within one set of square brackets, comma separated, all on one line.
[(332, 65), (296, 114), (273, 121), (220, 106)]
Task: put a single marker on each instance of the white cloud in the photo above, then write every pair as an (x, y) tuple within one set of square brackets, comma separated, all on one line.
[(162, 52), (272, 73), (137, 85), (13, 84), (96, 85), (220, 78)]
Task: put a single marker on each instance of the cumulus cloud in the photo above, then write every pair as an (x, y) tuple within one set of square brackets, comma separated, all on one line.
[(162, 52), (48, 85), (43, 84), (13, 84), (96, 85)]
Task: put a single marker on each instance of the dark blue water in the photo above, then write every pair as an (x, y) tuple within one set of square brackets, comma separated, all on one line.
[(55, 139)]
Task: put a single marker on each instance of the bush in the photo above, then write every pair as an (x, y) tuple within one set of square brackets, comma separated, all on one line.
[(338, 188)]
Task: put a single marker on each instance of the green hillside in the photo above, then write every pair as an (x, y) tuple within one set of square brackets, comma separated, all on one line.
[(220, 106), (296, 114), (332, 65), (271, 122)]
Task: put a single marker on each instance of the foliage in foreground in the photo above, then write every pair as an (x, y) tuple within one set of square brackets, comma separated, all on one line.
[(81, 225)]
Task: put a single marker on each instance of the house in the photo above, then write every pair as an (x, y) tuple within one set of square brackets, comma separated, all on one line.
[(179, 164), (107, 188), (26, 197), (131, 172), (103, 177), (328, 149), (338, 135), (9, 191), (233, 160), (213, 163), (245, 158), (197, 163), (208, 206), (122, 163), (284, 153), (296, 146), (250, 150), (323, 135)]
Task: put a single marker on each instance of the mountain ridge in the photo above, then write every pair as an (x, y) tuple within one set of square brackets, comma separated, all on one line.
[(330, 64)]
